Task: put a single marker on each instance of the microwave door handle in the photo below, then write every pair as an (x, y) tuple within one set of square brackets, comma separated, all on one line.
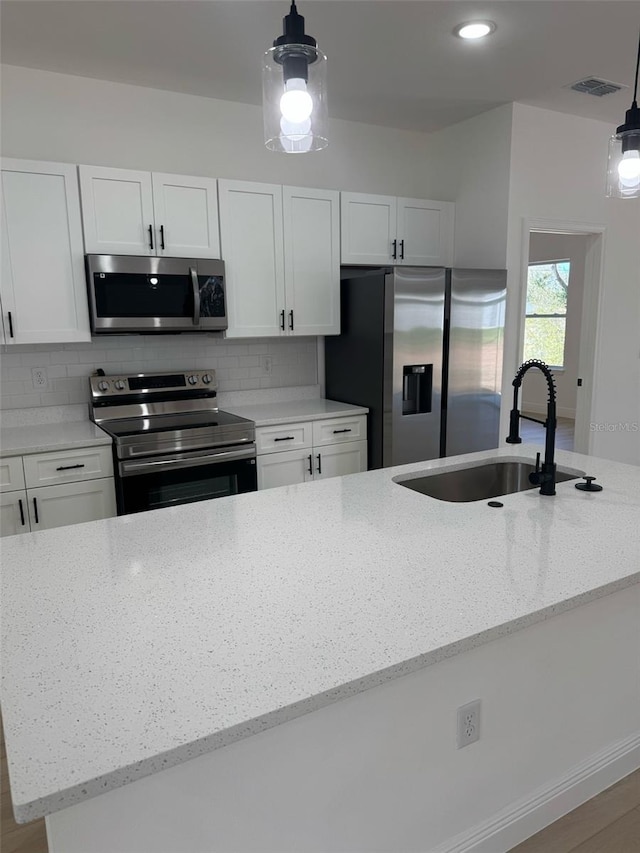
[(196, 295)]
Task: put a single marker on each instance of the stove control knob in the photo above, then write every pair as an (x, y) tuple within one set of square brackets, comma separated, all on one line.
[(103, 386), (207, 378), (193, 379), (120, 385)]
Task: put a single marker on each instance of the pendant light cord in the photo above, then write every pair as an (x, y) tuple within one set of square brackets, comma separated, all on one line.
[(635, 88)]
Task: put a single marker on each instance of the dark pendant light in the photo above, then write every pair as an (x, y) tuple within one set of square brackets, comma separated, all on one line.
[(623, 174), (294, 95)]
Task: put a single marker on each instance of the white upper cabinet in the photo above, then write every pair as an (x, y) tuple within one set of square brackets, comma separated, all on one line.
[(253, 252), (43, 287), (312, 261), (368, 228), (117, 211), (186, 216), (388, 230), (126, 212), (425, 232), (281, 248)]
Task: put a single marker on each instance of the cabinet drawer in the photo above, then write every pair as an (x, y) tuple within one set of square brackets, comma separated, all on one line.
[(335, 430), (284, 437), (11, 474), (68, 466)]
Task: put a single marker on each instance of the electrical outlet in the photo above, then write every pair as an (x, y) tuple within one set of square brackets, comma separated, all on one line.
[(267, 365), (468, 724), (39, 378)]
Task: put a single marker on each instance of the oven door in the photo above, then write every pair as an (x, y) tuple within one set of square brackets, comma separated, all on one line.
[(145, 294), (184, 478)]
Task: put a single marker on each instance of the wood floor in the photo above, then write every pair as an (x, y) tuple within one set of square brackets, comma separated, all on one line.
[(609, 823), (534, 433)]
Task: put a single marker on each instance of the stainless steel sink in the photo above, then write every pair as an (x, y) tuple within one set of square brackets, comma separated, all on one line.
[(480, 482)]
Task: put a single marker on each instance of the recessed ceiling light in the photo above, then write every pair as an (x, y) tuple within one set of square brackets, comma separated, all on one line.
[(475, 29)]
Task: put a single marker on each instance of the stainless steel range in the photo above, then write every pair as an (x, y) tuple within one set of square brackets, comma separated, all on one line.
[(171, 444)]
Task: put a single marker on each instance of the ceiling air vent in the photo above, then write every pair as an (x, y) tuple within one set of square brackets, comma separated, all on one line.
[(597, 87)]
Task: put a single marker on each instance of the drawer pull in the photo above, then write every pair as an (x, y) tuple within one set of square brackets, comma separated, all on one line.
[(286, 438), (69, 467), (336, 431), (35, 509), (21, 511)]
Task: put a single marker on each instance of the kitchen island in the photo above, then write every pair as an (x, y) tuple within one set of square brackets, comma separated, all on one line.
[(134, 648)]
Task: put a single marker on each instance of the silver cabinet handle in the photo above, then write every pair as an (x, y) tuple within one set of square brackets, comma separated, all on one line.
[(196, 295)]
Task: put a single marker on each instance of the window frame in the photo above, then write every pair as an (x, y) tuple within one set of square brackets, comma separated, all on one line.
[(556, 367)]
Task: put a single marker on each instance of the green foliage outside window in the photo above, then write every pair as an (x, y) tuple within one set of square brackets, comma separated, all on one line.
[(546, 316)]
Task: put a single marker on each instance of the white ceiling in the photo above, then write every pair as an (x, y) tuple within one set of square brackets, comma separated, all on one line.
[(391, 63)]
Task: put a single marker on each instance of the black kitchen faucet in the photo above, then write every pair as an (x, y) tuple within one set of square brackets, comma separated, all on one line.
[(544, 476)]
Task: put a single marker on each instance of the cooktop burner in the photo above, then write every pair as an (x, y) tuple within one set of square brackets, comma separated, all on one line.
[(162, 423)]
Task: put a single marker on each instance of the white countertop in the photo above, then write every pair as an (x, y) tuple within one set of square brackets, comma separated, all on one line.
[(19, 441), (135, 643), (268, 414)]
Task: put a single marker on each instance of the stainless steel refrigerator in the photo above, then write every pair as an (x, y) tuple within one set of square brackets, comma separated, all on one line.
[(421, 347)]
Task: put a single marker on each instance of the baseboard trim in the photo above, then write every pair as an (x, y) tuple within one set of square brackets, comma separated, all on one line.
[(548, 803), (539, 409)]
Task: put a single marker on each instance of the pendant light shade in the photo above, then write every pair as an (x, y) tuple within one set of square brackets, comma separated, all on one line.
[(294, 94), (623, 173)]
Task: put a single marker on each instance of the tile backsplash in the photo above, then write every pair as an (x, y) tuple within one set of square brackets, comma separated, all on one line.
[(240, 365)]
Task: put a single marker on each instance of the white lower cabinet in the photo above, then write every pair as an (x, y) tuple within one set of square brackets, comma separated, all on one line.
[(71, 503), (14, 514), (328, 450), (338, 459), (284, 469), (70, 500)]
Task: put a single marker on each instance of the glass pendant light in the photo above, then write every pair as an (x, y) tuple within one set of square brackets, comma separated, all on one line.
[(623, 174), (294, 95)]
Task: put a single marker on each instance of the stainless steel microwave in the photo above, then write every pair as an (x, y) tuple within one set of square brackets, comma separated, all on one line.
[(142, 294)]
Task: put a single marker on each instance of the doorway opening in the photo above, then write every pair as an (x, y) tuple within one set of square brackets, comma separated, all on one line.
[(561, 290)]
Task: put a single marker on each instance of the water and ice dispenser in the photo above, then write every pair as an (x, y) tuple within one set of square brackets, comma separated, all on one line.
[(417, 386)]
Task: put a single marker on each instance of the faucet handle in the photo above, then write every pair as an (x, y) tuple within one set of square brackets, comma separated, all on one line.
[(535, 477)]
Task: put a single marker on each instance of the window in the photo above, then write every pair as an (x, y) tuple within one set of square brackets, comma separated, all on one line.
[(546, 318)]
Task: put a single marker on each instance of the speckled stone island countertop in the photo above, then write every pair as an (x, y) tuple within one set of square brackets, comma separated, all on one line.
[(267, 414), (136, 643), (19, 441)]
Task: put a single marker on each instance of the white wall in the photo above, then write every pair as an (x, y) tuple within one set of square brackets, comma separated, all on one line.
[(47, 116), (558, 173), (554, 247), (469, 164), (239, 364)]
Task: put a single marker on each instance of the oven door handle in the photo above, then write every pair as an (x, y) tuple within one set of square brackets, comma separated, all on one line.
[(183, 461), (196, 295)]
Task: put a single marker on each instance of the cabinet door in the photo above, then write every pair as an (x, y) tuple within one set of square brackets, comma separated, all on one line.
[(14, 517), (71, 503), (284, 469), (186, 216), (425, 232), (368, 226), (117, 211), (312, 261), (252, 249), (339, 459), (44, 298)]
